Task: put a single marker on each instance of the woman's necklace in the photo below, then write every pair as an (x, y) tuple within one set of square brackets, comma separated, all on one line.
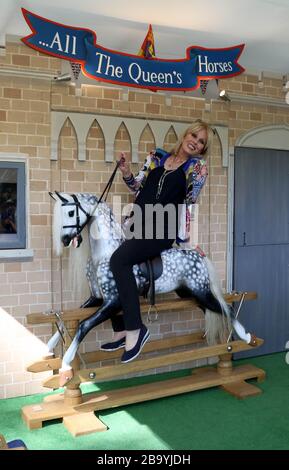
[(161, 182), (170, 165), (173, 161)]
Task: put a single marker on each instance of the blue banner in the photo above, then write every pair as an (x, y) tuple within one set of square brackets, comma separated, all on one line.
[(80, 45)]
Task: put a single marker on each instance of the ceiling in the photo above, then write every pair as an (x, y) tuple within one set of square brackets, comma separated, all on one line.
[(121, 25)]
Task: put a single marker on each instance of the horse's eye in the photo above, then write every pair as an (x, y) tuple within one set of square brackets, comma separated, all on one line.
[(71, 213)]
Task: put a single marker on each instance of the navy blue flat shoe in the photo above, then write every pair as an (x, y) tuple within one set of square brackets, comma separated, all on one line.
[(130, 355), (114, 345)]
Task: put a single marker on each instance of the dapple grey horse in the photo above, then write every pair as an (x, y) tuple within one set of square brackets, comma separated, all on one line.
[(184, 271)]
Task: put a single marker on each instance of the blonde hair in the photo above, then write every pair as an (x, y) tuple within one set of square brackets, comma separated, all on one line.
[(195, 127)]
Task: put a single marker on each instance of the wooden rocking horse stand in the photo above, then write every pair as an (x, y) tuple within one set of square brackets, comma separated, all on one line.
[(77, 410)]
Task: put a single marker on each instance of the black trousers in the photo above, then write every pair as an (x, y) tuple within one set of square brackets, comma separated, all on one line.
[(132, 252)]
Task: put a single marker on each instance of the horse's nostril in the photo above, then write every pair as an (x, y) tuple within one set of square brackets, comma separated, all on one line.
[(66, 240)]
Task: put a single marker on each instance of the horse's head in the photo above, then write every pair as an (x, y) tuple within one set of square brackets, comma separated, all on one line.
[(72, 212)]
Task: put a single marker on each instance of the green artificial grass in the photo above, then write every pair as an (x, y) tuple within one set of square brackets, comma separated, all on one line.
[(202, 420)]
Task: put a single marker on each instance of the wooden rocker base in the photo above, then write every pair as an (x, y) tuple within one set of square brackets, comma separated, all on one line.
[(77, 423), (200, 379), (77, 410), (79, 418)]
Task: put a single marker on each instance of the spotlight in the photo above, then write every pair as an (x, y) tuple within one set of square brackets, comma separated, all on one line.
[(65, 77), (285, 82), (260, 82), (286, 87), (224, 95)]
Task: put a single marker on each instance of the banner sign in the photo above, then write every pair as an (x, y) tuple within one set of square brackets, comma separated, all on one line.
[(80, 45)]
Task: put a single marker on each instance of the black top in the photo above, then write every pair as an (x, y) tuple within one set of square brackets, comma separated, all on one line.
[(158, 203)]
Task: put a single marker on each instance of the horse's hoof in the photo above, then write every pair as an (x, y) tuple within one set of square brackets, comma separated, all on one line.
[(253, 340), (65, 376), (48, 356)]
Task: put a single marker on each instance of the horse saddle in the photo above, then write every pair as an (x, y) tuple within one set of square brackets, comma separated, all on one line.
[(151, 270)]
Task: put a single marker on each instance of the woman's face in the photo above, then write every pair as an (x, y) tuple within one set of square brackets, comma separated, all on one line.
[(194, 143)]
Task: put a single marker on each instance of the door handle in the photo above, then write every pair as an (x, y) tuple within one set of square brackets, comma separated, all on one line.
[(244, 239)]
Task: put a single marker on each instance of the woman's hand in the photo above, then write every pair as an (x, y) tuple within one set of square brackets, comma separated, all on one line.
[(124, 166)]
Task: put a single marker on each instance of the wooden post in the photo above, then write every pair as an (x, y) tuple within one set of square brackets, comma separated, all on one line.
[(78, 411), (72, 394), (225, 365)]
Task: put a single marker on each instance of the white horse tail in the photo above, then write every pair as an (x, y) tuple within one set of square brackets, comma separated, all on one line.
[(217, 326)]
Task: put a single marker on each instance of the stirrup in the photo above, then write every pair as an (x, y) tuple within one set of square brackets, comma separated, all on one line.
[(60, 325), (237, 314), (152, 319)]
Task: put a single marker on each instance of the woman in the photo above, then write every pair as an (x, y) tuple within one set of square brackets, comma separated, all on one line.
[(167, 179)]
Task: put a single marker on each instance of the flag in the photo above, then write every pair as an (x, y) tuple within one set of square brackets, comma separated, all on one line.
[(147, 49), (76, 69), (203, 86)]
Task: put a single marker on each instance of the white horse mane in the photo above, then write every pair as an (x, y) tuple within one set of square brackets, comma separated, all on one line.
[(75, 278), (56, 228), (105, 234)]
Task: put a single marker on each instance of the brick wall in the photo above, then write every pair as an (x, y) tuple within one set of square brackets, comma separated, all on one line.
[(25, 106)]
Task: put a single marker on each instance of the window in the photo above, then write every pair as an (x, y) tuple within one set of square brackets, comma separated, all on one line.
[(12, 205)]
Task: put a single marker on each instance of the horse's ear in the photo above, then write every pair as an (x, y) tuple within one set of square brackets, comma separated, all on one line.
[(51, 195), (61, 197)]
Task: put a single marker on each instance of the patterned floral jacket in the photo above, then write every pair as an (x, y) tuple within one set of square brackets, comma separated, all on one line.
[(196, 174)]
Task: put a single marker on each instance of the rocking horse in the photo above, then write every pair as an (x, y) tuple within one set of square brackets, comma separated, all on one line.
[(187, 272), (182, 271)]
